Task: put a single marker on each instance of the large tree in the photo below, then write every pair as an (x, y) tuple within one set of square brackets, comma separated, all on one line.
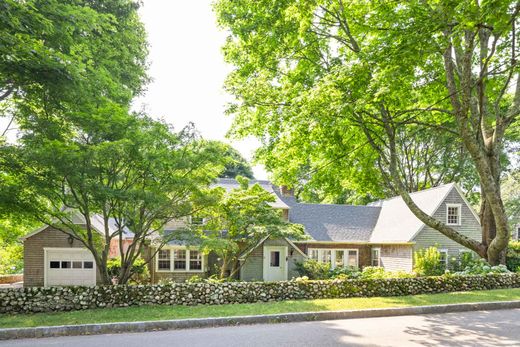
[(117, 165), (353, 91), (238, 220)]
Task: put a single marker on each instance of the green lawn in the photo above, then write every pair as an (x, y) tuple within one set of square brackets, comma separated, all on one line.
[(145, 313)]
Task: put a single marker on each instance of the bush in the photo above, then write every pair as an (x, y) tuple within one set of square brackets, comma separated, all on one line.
[(513, 256), (427, 262), (481, 267), (344, 272), (141, 274), (313, 269), (11, 259), (375, 272)]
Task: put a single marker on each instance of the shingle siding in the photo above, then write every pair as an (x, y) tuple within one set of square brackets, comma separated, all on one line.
[(33, 253), (253, 268), (469, 226), (397, 257)]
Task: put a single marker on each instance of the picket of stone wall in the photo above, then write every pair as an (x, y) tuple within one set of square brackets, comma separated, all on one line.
[(38, 299)]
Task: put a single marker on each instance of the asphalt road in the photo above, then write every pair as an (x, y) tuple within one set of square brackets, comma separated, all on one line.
[(481, 328)]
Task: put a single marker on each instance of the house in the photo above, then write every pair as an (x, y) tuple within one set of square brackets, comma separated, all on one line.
[(384, 233)]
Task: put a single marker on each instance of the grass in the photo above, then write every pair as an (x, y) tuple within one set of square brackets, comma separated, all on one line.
[(146, 313)]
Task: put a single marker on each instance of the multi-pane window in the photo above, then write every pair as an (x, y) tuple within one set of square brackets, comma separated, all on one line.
[(164, 262), (195, 260), (443, 257), (376, 257), (453, 214), (340, 255), (335, 257), (65, 264), (179, 259)]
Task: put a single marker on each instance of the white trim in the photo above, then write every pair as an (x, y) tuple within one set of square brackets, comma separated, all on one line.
[(459, 216), (378, 249), (444, 250), (333, 255), (34, 232), (284, 263), (172, 259), (244, 255), (295, 247), (461, 193), (71, 249), (356, 242)]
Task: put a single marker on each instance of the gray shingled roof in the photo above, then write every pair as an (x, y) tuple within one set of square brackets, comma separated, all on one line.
[(335, 222), (229, 183)]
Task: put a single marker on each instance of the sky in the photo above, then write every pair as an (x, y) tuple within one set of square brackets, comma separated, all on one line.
[(188, 70)]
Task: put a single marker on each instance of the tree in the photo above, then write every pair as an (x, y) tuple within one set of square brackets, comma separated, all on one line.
[(238, 221), (236, 164), (116, 165), (345, 87)]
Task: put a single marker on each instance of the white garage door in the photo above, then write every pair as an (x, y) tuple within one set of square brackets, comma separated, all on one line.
[(69, 267)]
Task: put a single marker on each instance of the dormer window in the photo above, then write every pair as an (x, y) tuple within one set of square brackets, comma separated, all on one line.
[(453, 214)]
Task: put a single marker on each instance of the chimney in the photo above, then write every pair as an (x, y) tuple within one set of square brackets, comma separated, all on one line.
[(286, 191)]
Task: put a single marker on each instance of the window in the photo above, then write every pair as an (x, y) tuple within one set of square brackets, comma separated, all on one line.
[(65, 264), (55, 265), (275, 259), (518, 233), (88, 264), (326, 256), (164, 261), (195, 260), (179, 259), (352, 259), (335, 257), (453, 214), (443, 257), (77, 265), (340, 261), (376, 257), (196, 220)]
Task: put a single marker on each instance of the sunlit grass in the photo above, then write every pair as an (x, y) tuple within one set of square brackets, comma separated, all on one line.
[(146, 313)]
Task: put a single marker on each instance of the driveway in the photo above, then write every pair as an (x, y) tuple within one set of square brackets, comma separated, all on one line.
[(481, 328)]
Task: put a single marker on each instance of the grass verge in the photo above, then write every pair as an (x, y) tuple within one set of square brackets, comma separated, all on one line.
[(148, 313)]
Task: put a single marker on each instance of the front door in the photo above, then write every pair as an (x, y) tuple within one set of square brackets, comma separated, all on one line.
[(275, 263)]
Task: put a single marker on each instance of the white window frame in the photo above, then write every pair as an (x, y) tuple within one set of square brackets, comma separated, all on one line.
[(378, 249), (445, 250), (172, 259), (459, 217), (333, 255)]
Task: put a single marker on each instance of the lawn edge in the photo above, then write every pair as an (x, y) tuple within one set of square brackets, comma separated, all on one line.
[(175, 324)]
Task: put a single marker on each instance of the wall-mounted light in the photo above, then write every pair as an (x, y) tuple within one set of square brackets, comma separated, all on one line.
[(70, 240)]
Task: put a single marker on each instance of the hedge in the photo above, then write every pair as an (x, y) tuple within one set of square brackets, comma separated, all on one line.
[(38, 299)]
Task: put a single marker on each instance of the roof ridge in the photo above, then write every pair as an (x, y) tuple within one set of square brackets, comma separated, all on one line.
[(321, 204), (416, 192)]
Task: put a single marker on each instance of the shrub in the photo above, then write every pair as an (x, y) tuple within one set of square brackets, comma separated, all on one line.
[(481, 267), (427, 262), (375, 272), (141, 274), (513, 256), (313, 269), (344, 272), (11, 259)]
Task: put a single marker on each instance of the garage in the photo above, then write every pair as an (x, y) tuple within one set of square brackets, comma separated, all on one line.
[(69, 267)]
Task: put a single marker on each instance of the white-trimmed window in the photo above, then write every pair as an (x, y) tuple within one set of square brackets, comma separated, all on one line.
[(179, 260), (335, 257), (453, 214), (164, 260), (443, 257), (376, 256)]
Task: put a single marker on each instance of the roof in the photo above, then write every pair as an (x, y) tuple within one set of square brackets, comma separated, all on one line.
[(229, 184), (396, 223), (335, 222)]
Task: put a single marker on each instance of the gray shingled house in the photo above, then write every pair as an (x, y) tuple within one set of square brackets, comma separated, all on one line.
[(383, 234)]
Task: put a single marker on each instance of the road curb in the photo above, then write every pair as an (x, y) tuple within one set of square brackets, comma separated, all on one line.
[(127, 327)]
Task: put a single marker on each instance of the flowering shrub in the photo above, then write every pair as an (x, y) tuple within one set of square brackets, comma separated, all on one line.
[(374, 272), (427, 262), (481, 267), (513, 256)]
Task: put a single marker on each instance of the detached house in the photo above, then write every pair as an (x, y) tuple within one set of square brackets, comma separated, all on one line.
[(384, 233)]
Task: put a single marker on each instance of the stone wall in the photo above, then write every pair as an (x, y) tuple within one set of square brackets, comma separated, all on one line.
[(40, 299)]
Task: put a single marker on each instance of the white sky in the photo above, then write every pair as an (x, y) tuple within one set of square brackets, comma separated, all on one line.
[(188, 70)]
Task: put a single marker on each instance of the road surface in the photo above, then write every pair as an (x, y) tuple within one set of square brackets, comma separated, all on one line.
[(481, 328)]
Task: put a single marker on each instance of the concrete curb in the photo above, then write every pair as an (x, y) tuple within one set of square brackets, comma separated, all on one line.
[(132, 327)]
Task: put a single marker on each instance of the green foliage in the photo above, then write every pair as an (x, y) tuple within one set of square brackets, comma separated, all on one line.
[(427, 262), (140, 272), (313, 269), (481, 267), (513, 256), (11, 259), (375, 272), (238, 220), (235, 163)]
